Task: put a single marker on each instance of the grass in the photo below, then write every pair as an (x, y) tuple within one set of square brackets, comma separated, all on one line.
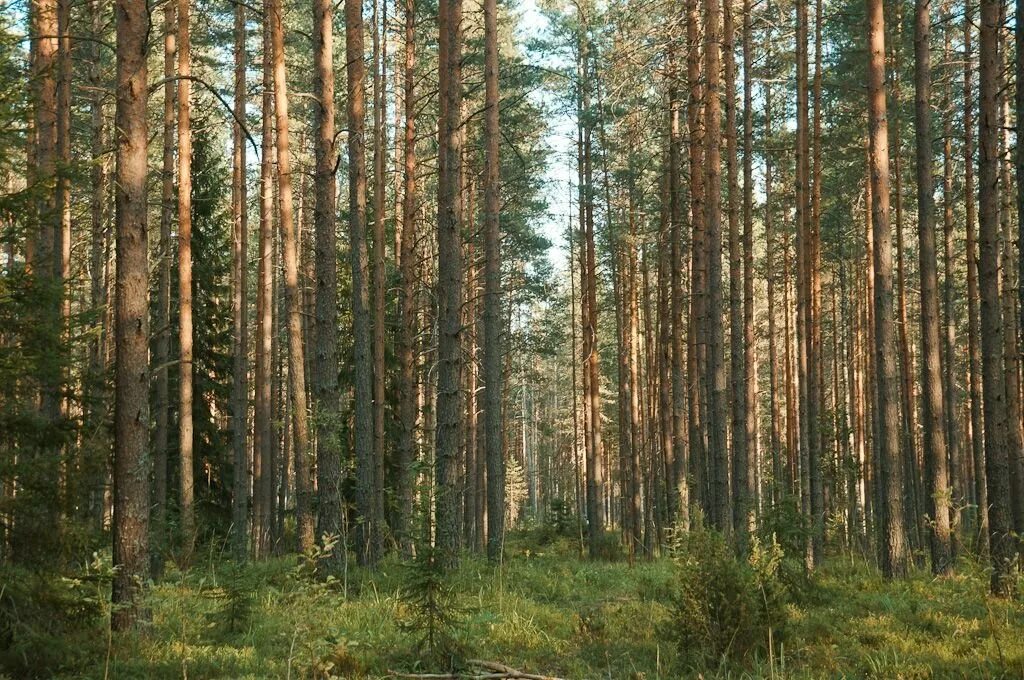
[(547, 611)]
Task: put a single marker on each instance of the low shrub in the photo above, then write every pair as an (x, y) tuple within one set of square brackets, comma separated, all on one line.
[(50, 623), (724, 608)]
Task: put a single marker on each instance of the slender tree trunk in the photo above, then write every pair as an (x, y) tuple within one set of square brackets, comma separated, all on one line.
[(718, 421), (131, 379), (494, 455), (289, 250), (240, 304), (749, 339), (325, 358), (815, 365), (741, 496), (779, 487), (367, 526), (974, 295), (892, 531), (162, 346), (950, 396), (187, 517), (408, 386), (674, 432), (696, 329), (1003, 548), (263, 458), (931, 360), (449, 278), (380, 140)]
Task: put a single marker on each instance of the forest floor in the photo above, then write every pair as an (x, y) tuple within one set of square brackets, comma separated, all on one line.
[(546, 611)]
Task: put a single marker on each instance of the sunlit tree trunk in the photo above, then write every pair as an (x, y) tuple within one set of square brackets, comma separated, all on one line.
[(131, 379), (494, 455), (892, 535), (162, 344), (186, 511), (931, 360)]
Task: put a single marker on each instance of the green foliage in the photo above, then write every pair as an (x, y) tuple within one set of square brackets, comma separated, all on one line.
[(787, 527), (432, 614), (236, 593), (724, 608), (52, 624)]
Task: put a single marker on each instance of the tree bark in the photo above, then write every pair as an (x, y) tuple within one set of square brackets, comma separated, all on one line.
[(892, 532), (974, 295), (718, 422), (187, 517), (378, 266), (263, 458), (737, 338), (408, 386), (1002, 543), (239, 301), (494, 456), (325, 358), (131, 379), (293, 304), (367, 522), (931, 359), (162, 345), (449, 280)]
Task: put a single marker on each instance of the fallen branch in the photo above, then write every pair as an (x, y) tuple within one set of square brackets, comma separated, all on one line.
[(503, 671), (497, 670)]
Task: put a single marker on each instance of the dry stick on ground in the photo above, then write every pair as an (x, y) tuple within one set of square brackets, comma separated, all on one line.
[(496, 670)]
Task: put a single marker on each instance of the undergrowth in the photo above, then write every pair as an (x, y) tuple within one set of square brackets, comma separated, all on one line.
[(544, 611)]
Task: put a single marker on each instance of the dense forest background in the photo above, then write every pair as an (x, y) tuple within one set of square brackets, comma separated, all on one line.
[(718, 292)]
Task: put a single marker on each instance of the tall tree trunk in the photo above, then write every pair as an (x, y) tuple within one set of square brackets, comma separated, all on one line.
[(131, 378), (289, 251), (749, 339), (741, 496), (408, 386), (779, 487), (263, 458), (449, 278), (239, 300), (380, 140), (186, 511), (950, 402), (718, 420), (588, 280), (325, 329), (674, 428), (894, 556), (815, 365), (1002, 543), (35, 531), (162, 346), (931, 359), (974, 296), (494, 455), (696, 329), (366, 527)]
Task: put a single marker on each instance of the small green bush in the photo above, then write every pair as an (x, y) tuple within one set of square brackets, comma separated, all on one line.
[(432, 615), (51, 624), (723, 608)]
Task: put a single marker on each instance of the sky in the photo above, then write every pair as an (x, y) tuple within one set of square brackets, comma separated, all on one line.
[(560, 177)]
